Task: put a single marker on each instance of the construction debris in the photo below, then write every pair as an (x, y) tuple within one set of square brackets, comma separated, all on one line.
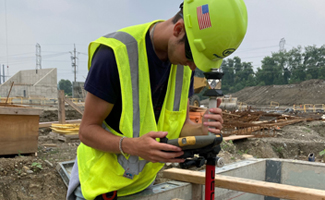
[(258, 124)]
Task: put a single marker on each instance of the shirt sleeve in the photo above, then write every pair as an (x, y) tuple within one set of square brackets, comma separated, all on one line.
[(103, 78), (191, 91)]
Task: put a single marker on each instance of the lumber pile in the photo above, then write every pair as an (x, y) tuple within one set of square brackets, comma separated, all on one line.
[(258, 124)]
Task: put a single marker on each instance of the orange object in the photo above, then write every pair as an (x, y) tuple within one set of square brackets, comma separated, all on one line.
[(196, 116)]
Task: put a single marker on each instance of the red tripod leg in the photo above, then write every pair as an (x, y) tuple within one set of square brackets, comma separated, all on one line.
[(209, 179)]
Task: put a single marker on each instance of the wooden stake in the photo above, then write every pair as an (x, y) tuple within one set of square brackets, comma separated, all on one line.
[(61, 109), (9, 91)]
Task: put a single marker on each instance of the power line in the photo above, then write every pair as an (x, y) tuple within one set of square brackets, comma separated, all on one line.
[(253, 49), (17, 54), (6, 25)]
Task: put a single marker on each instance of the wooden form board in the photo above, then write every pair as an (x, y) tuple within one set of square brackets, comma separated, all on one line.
[(19, 129), (19, 110), (18, 134), (247, 185)]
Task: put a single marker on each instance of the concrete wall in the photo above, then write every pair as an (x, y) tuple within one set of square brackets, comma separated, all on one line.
[(288, 172), (304, 174), (251, 169), (28, 83)]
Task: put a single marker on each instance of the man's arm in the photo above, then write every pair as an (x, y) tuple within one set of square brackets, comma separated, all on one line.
[(214, 126), (92, 134)]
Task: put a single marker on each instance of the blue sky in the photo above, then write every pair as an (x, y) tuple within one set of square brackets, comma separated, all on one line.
[(57, 25)]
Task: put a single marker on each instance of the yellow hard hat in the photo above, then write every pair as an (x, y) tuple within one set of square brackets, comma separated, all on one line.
[(214, 29)]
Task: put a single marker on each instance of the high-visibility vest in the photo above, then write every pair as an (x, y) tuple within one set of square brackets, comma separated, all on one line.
[(101, 172)]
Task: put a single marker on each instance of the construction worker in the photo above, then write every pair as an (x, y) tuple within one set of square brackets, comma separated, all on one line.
[(138, 86)]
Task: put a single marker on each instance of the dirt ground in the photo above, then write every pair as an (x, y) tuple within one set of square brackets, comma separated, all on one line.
[(34, 177), (307, 92)]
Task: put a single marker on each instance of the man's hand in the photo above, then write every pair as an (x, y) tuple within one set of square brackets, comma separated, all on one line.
[(212, 122), (149, 149)]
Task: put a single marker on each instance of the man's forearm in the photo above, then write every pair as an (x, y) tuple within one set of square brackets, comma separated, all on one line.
[(98, 138)]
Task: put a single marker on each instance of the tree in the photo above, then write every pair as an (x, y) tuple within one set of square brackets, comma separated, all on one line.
[(66, 86), (295, 63)]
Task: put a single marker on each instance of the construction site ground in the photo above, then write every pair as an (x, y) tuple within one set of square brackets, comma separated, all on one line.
[(34, 176)]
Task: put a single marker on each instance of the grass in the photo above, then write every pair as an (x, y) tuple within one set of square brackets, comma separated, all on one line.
[(241, 152), (36, 166), (322, 153)]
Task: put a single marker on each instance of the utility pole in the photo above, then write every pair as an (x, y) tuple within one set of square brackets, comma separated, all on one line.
[(74, 67), (74, 62), (38, 57), (3, 71), (281, 44), (0, 74)]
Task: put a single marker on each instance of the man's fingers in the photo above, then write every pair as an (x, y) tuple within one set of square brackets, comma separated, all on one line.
[(159, 134), (169, 156), (168, 147), (215, 111), (218, 102), (217, 118), (214, 131)]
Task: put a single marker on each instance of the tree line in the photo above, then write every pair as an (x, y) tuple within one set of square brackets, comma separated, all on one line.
[(282, 67)]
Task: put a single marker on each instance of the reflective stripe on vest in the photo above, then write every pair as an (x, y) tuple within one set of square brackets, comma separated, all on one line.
[(132, 49), (178, 87), (133, 166)]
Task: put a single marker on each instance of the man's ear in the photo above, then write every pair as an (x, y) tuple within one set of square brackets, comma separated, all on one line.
[(179, 28)]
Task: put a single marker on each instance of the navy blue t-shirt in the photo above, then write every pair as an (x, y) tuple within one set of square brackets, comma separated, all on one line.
[(103, 81)]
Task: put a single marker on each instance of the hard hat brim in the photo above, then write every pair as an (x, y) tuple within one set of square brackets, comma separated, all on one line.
[(202, 62)]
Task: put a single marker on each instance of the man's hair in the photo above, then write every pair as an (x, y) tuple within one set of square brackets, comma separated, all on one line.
[(178, 16)]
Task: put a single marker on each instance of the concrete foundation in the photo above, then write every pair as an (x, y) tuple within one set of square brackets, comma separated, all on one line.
[(289, 172)]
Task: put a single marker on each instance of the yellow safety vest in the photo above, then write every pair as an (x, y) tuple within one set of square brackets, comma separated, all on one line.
[(102, 172)]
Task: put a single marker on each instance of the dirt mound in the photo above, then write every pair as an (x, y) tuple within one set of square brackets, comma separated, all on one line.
[(292, 142), (307, 92)]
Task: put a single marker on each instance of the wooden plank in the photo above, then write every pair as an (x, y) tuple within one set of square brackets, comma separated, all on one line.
[(247, 185), (73, 105), (61, 110), (237, 137), (48, 124), (15, 110), (18, 134)]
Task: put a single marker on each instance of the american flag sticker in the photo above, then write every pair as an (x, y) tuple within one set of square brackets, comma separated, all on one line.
[(203, 16)]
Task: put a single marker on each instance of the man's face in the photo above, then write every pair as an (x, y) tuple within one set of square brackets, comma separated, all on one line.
[(176, 48), (176, 55)]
